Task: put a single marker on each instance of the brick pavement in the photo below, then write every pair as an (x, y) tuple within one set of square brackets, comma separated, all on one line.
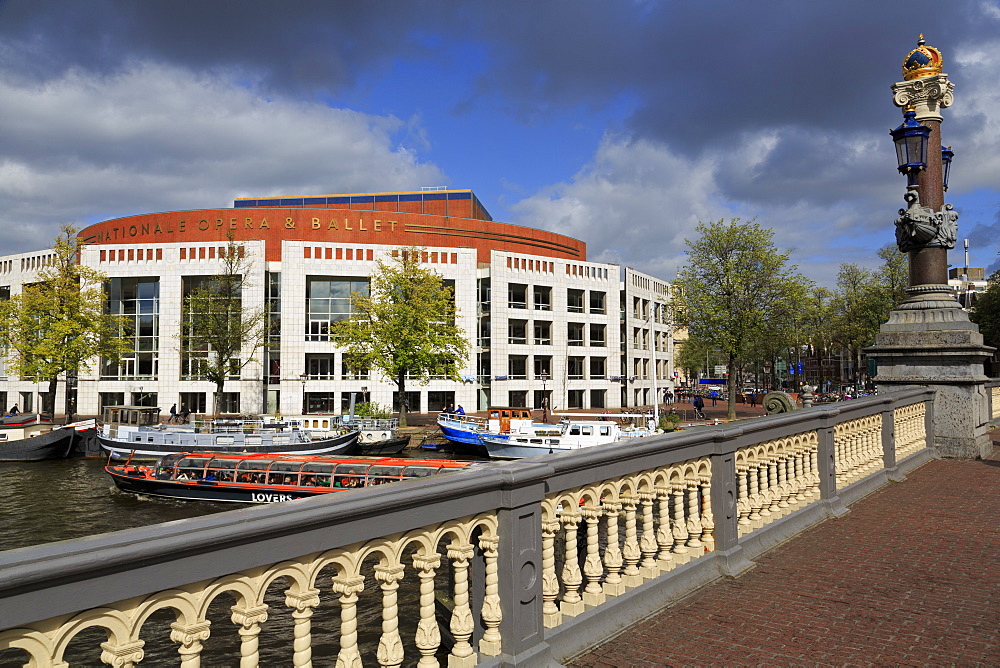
[(911, 576)]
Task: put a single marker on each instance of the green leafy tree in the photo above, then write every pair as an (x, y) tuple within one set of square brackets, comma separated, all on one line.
[(58, 325), (219, 335), (733, 283), (986, 311), (406, 327)]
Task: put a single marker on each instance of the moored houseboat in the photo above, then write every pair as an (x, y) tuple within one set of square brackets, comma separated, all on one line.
[(267, 478), (31, 437), (465, 429)]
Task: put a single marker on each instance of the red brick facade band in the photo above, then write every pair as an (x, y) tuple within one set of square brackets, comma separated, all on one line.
[(274, 225)]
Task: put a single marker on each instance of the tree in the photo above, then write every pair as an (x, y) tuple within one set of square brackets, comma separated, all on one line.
[(986, 311), (58, 325), (219, 335), (734, 282), (406, 327)]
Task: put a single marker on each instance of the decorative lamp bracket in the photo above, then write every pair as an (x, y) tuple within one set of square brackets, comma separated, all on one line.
[(921, 227)]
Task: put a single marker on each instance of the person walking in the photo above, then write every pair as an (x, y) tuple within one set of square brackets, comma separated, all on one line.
[(715, 396), (173, 414), (753, 399)]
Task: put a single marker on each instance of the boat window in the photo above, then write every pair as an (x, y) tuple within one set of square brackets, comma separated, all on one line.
[(283, 439), (317, 468), (536, 440), (419, 471), (282, 478), (254, 465), (349, 481), (3, 437), (356, 469), (494, 414), (552, 441), (252, 439), (385, 470), (315, 479), (605, 431), (574, 431)]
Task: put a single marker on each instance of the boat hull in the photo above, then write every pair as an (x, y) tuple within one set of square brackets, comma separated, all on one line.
[(56, 444), (390, 446), (340, 445), (457, 433), (205, 490)]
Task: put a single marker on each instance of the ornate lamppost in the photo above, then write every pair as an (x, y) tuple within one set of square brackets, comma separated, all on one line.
[(929, 340)]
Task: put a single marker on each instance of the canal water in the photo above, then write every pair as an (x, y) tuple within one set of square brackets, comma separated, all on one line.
[(58, 500)]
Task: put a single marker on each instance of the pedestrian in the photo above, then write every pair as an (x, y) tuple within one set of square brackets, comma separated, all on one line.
[(753, 399), (460, 410), (14, 410), (699, 405), (183, 415), (173, 414), (715, 396)]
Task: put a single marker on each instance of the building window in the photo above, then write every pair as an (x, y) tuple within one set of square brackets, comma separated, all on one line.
[(574, 398), (321, 366), (347, 373), (543, 333), (543, 367), (574, 301), (321, 402), (517, 398), (107, 399), (328, 299), (543, 297), (517, 295), (574, 368), (598, 367), (597, 302), (597, 339), (438, 401), (517, 331), (412, 402), (136, 300), (574, 333), (517, 367), (229, 402), (193, 401), (597, 398)]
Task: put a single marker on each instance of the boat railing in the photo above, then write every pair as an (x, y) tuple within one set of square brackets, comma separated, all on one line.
[(473, 420), (371, 424), (228, 426)]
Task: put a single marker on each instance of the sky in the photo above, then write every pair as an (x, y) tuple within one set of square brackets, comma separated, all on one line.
[(621, 124)]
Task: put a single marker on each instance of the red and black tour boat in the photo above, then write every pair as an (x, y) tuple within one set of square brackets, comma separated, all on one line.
[(267, 477)]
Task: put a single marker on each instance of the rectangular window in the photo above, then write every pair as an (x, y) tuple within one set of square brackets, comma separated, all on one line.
[(574, 398), (597, 339), (543, 333), (598, 301), (597, 398), (574, 333), (136, 301), (229, 402), (517, 331), (193, 401), (543, 367), (328, 300), (321, 402), (543, 297), (517, 367), (321, 366), (598, 367), (574, 301), (517, 295), (574, 368)]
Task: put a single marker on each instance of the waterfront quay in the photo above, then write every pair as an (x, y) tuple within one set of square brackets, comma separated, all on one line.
[(535, 562)]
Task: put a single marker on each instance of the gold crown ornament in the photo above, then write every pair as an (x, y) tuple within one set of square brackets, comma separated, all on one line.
[(923, 61)]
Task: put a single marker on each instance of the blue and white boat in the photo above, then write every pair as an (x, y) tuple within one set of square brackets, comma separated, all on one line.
[(547, 439), (465, 429)]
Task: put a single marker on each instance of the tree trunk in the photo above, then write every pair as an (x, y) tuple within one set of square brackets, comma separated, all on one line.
[(49, 400), (731, 387), (401, 384)]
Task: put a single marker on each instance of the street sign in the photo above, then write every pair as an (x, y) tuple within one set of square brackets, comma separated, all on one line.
[(712, 381)]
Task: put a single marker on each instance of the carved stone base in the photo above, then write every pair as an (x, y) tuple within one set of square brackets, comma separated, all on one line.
[(929, 341)]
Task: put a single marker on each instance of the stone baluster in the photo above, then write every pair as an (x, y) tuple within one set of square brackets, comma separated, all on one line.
[(681, 553), (593, 568), (743, 507), (647, 543), (755, 499), (694, 519), (390, 645), (490, 644), (302, 604), (664, 539), (773, 490), (550, 581), (801, 484), (428, 635), (462, 625), (122, 655), (190, 638), (707, 518), (613, 584), (631, 553), (572, 577), (784, 489), (765, 492), (249, 621), (349, 587), (813, 460)]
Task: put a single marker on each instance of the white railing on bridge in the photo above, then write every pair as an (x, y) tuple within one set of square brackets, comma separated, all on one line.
[(523, 562)]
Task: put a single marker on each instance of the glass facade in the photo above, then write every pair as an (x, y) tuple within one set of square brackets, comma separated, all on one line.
[(328, 299), (136, 300)]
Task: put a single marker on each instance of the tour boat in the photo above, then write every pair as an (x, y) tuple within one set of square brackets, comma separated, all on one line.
[(377, 436), (129, 434), (31, 437), (465, 429), (542, 439), (267, 478)]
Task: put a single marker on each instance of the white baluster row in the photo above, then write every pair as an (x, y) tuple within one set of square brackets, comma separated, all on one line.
[(46, 641), (858, 445), (774, 479), (910, 429), (649, 523)]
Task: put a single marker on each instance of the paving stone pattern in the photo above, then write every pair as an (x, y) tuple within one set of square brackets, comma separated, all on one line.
[(909, 577)]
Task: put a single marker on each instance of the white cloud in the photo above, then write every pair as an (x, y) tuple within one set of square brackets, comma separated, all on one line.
[(83, 148)]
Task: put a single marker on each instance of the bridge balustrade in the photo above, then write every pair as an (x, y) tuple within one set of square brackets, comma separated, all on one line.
[(521, 562)]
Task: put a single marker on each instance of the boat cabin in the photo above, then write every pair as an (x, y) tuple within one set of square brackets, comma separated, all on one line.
[(505, 420), (139, 416), (299, 471)]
